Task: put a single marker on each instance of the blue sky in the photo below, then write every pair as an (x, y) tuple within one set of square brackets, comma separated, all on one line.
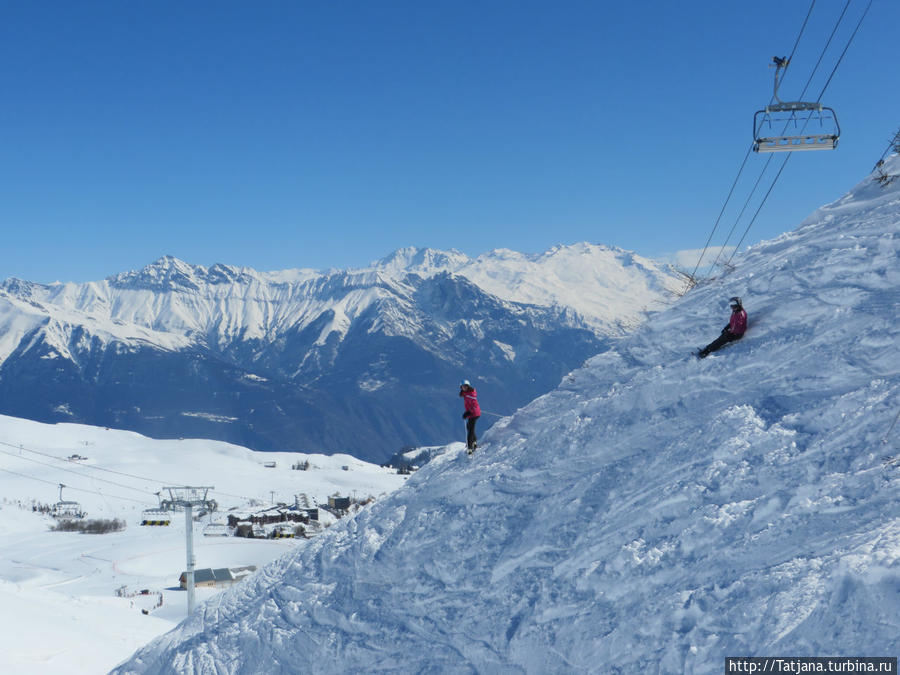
[(310, 134)]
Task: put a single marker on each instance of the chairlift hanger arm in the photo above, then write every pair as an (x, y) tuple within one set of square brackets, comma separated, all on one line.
[(780, 63)]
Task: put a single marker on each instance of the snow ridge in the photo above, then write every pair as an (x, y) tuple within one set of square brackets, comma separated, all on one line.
[(655, 513)]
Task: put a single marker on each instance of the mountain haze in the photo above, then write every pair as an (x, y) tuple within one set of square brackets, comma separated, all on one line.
[(358, 361), (654, 513)]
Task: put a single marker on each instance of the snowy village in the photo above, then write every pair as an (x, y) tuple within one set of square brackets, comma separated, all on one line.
[(419, 338)]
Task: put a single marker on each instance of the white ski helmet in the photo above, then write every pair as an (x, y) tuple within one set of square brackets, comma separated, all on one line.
[(464, 383), (735, 303)]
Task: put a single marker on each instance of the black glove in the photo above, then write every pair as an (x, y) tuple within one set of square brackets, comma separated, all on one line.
[(466, 415)]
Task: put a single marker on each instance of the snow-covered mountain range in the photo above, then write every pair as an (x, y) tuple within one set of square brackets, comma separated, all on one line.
[(655, 513), (359, 361)]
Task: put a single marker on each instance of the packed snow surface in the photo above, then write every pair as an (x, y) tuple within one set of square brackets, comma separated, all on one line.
[(655, 513)]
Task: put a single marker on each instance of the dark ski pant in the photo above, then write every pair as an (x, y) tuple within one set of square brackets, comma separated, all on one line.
[(720, 341), (470, 432)]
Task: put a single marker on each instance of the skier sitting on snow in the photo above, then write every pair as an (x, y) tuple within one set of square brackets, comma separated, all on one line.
[(735, 329), (472, 413)]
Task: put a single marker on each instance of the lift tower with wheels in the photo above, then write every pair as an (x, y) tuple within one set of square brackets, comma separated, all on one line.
[(188, 497)]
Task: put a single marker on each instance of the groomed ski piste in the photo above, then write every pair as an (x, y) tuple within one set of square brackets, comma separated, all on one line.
[(655, 513)]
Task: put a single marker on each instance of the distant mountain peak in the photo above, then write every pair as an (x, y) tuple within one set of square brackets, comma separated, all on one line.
[(422, 260), (18, 287), (169, 273), (169, 263)]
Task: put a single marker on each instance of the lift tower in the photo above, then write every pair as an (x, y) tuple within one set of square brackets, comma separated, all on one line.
[(188, 497)]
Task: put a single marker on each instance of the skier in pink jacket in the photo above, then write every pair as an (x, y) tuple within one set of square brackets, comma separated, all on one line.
[(472, 413), (735, 329)]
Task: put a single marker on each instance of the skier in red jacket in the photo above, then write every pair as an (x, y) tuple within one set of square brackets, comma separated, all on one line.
[(735, 329), (472, 413)]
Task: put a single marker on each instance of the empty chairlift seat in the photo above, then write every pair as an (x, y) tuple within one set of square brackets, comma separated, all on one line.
[(789, 117), (791, 126)]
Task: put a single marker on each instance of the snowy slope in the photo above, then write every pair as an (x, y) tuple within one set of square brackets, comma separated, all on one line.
[(654, 514), (57, 589)]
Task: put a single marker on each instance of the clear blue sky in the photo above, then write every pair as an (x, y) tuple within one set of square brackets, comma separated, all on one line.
[(327, 134)]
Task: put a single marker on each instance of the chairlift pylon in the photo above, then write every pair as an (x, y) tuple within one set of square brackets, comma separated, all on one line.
[(791, 113)]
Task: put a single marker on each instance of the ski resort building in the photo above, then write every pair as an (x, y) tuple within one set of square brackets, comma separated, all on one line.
[(217, 578)]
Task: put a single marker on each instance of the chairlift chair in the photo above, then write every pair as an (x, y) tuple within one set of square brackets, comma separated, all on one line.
[(215, 530), (66, 510), (792, 113), (155, 517)]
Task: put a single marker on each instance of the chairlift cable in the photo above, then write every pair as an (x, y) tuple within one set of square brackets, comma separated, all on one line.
[(762, 203), (822, 54), (797, 42), (721, 212), (749, 150), (769, 160), (821, 93), (113, 471), (846, 47), (782, 142), (743, 209), (69, 487), (83, 466), (77, 473), (40, 480)]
